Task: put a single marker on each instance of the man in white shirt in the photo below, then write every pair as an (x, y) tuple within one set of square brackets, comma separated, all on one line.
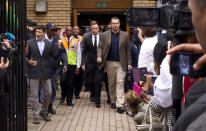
[(39, 51), (146, 52)]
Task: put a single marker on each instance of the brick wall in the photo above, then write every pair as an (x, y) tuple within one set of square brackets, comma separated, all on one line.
[(59, 12), (144, 3)]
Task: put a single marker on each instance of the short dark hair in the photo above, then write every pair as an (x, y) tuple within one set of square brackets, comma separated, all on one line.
[(93, 22), (40, 27), (58, 28), (159, 52), (115, 18), (149, 31)]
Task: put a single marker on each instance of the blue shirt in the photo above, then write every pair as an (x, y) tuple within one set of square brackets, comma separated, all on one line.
[(41, 45), (113, 54)]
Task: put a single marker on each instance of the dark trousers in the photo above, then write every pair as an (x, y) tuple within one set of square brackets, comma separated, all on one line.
[(63, 82), (70, 82), (78, 83), (105, 79), (95, 86)]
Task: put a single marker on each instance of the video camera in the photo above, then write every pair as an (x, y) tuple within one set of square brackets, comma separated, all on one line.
[(4, 51), (175, 16)]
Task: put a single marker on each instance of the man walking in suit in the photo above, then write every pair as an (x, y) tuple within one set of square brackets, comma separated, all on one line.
[(39, 52), (114, 52), (89, 63), (50, 36)]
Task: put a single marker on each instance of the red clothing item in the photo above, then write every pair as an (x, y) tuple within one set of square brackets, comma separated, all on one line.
[(188, 82)]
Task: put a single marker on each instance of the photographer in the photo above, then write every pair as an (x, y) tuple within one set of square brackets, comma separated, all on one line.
[(5, 46), (162, 100), (196, 109)]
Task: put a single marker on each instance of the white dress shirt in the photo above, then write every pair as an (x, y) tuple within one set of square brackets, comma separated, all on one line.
[(46, 37), (93, 39), (146, 58), (41, 45)]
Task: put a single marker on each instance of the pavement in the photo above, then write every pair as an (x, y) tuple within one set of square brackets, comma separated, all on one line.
[(83, 116)]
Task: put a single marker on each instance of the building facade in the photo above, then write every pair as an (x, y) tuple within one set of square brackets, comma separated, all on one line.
[(73, 12)]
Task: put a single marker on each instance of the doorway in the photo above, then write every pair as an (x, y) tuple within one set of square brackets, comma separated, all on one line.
[(103, 18)]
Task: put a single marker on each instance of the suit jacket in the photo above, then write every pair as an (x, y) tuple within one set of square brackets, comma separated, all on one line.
[(43, 68), (124, 49), (89, 57), (55, 64)]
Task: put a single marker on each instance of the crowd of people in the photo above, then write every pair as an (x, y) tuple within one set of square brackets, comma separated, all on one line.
[(77, 60), (112, 57)]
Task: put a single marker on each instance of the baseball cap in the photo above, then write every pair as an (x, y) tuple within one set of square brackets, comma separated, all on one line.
[(50, 25)]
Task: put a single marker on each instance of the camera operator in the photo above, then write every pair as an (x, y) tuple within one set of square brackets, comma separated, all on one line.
[(5, 46), (4, 63), (197, 8)]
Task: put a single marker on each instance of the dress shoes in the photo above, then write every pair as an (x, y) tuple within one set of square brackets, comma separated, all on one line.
[(113, 106), (98, 105), (108, 101), (51, 110), (120, 110), (92, 100), (45, 116), (62, 100), (77, 97), (70, 103), (36, 121)]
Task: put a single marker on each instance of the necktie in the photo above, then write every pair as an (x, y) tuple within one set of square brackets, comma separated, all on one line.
[(95, 42)]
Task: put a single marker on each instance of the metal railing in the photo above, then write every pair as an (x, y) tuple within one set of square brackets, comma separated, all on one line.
[(13, 108)]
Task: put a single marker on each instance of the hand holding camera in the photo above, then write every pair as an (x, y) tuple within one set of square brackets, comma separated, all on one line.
[(6, 43), (148, 84), (187, 63)]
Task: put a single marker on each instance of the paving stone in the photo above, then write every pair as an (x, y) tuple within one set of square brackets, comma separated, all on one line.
[(84, 116)]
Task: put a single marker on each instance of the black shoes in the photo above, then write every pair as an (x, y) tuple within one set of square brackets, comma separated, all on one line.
[(97, 105), (51, 110), (108, 101), (92, 100), (36, 121), (77, 97), (62, 100), (70, 103), (113, 106), (120, 110), (45, 116)]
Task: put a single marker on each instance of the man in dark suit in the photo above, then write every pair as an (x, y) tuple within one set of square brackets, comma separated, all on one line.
[(50, 36), (89, 64), (114, 52), (39, 52)]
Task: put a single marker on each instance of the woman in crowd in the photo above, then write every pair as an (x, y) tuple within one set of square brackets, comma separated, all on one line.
[(136, 106), (162, 100)]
